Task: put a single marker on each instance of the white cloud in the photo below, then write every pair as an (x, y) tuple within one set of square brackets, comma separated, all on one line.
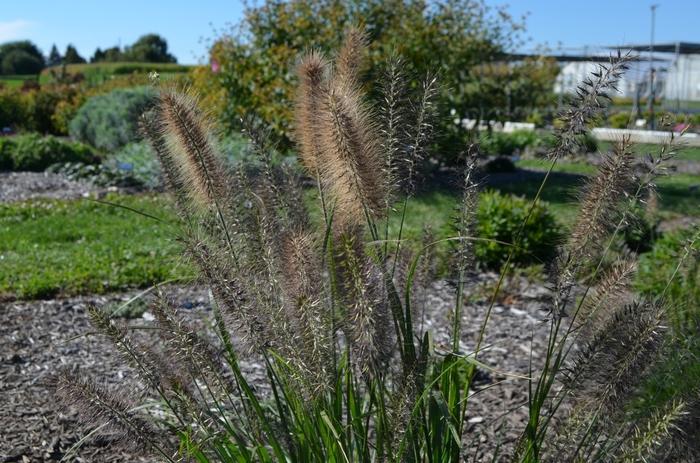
[(13, 30)]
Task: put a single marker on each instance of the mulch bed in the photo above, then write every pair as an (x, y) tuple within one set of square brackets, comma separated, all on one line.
[(21, 186), (38, 338)]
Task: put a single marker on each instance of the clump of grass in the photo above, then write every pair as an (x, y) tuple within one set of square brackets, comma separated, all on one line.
[(333, 311)]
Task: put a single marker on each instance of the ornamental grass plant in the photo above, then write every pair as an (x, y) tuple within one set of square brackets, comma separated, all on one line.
[(329, 305)]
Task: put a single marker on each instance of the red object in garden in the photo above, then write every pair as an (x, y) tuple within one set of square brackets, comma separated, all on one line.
[(215, 66), (678, 128)]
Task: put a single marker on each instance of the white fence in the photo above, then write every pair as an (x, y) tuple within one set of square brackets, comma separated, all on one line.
[(654, 137), (496, 126)]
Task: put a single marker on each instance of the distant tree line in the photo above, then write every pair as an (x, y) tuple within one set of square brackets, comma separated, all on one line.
[(25, 58), (150, 48)]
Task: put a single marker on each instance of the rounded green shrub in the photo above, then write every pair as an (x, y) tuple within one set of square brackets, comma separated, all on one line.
[(506, 144), (640, 231), (34, 152), (499, 164), (139, 160), (499, 217), (13, 108), (619, 120), (587, 143), (133, 166), (659, 273), (109, 121), (7, 147)]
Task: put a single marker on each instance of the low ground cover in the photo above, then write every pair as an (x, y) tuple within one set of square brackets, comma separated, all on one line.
[(679, 194), (14, 81), (57, 248)]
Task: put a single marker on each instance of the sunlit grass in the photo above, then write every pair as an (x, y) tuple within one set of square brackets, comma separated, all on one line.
[(59, 248)]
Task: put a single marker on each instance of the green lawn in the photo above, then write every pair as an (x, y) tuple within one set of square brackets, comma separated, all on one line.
[(691, 153), (50, 248), (679, 194), (12, 81), (660, 106)]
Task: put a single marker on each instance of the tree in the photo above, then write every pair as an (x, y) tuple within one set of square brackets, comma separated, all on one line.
[(20, 58), (512, 90), (150, 48), (98, 56), (20, 62), (113, 55), (55, 57), (72, 56), (109, 55), (450, 37)]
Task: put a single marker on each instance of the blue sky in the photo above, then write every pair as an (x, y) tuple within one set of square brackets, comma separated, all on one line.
[(188, 24)]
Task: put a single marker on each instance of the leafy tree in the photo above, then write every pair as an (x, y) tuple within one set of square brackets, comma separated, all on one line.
[(512, 90), (20, 58), (21, 62), (150, 48), (114, 54), (72, 56), (98, 56), (109, 55), (254, 64), (55, 57)]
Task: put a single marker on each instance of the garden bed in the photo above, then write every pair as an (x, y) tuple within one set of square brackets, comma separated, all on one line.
[(20, 186), (41, 337)]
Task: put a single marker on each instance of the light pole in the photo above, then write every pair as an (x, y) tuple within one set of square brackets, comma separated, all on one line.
[(650, 101)]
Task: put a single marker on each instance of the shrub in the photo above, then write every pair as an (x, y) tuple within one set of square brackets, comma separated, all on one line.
[(535, 117), (7, 146), (51, 107), (695, 120), (63, 113), (506, 144), (619, 120), (587, 143), (641, 230), (499, 217), (582, 144), (134, 165), (235, 149), (109, 121), (102, 175), (139, 160), (41, 105), (40, 109), (499, 165), (13, 110), (33, 152), (658, 266)]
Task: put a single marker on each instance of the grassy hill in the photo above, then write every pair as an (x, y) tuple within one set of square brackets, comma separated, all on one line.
[(12, 81), (99, 71)]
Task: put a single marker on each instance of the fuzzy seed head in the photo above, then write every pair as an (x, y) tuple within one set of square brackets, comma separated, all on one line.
[(312, 87), (187, 135)]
